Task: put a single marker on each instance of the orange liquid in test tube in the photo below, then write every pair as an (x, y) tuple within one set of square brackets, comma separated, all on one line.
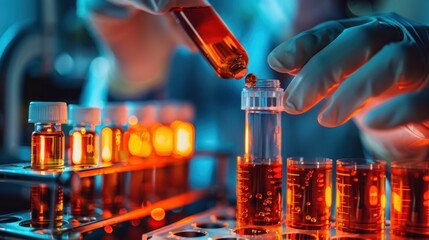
[(410, 199), (162, 140), (184, 139), (360, 196), (309, 194), (259, 193), (207, 30)]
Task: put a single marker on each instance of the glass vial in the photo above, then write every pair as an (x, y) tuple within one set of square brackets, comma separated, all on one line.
[(113, 149), (213, 38), (141, 117), (83, 137), (162, 134), (47, 140), (259, 172), (184, 131)]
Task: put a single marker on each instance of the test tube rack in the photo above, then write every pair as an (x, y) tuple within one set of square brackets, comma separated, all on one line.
[(16, 225)]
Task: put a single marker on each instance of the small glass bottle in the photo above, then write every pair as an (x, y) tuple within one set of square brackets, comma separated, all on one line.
[(83, 137), (259, 173), (213, 38), (184, 131), (47, 140), (47, 153), (141, 117), (113, 149), (162, 134)]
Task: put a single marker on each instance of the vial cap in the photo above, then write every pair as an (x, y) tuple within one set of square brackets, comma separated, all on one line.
[(114, 114), (168, 112), (84, 115), (47, 112), (266, 95), (145, 112), (186, 112)]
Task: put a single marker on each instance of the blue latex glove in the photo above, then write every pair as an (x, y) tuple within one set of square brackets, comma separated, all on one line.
[(375, 68)]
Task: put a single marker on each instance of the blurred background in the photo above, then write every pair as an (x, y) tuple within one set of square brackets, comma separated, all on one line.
[(48, 53)]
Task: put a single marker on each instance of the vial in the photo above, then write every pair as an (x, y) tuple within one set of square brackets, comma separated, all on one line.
[(184, 131), (162, 134), (259, 172), (47, 140), (113, 148), (141, 118), (83, 137), (213, 38)]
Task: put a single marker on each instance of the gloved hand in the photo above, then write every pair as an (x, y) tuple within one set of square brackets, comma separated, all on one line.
[(375, 68)]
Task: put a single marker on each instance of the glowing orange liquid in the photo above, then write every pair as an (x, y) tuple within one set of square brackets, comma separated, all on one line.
[(183, 139), (83, 198), (43, 207), (309, 196), (361, 200), (410, 202), (47, 150), (139, 141), (162, 140), (221, 49), (84, 148), (113, 147), (259, 194)]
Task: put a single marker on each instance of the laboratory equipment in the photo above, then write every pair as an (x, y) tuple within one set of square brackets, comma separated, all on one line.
[(259, 172), (162, 134), (213, 38), (47, 140), (113, 150), (410, 199), (84, 141), (184, 131), (360, 195), (83, 199), (309, 193)]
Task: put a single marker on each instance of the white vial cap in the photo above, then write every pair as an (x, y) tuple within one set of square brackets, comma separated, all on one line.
[(115, 114), (266, 95), (145, 112), (168, 112), (47, 112), (84, 115), (186, 112)]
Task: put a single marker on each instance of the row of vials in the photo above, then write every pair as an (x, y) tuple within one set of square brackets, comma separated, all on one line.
[(112, 134)]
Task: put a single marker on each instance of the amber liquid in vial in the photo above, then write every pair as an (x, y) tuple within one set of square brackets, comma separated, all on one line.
[(221, 49), (410, 202), (83, 148), (113, 147), (309, 197), (46, 206), (360, 200), (83, 198), (47, 150), (259, 194)]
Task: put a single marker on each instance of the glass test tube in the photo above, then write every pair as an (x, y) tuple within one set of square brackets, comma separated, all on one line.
[(410, 199), (47, 153), (259, 172), (309, 193), (360, 195), (215, 41)]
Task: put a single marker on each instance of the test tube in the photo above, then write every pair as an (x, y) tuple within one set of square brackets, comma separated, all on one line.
[(410, 199), (213, 38), (184, 131), (162, 134), (360, 195), (309, 193), (259, 172)]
